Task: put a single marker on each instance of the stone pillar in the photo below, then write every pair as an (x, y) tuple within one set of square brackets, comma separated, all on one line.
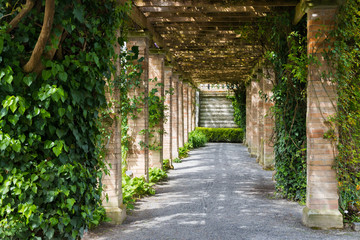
[(114, 207), (175, 117), (268, 159), (138, 155), (197, 108), (156, 75), (321, 209), (190, 109), (181, 114), (193, 105), (260, 122), (248, 117), (254, 134), (186, 111), (168, 123)]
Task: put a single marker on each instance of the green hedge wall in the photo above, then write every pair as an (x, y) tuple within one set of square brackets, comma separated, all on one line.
[(235, 135)]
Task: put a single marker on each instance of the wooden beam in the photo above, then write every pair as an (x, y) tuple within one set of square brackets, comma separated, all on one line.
[(305, 5), (206, 9), (220, 3), (138, 17)]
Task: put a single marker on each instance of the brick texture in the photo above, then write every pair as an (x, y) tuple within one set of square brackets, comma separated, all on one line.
[(138, 157), (321, 104), (168, 129), (156, 71), (175, 117)]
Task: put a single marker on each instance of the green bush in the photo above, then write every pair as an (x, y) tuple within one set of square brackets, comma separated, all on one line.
[(184, 151), (197, 139), (222, 134), (134, 188), (156, 175)]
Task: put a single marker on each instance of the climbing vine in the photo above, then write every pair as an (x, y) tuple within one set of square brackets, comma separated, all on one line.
[(345, 58), (52, 90), (283, 46), (239, 103)]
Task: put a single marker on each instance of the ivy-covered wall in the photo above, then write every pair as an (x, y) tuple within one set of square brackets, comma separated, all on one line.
[(345, 58), (51, 93)]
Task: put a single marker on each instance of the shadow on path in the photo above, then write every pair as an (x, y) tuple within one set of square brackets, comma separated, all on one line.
[(218, 192)]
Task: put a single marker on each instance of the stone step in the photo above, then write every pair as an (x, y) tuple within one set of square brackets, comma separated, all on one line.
[(216, 109), (218, 125)]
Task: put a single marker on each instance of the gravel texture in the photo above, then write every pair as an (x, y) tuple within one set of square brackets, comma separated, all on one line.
[(218, 192)]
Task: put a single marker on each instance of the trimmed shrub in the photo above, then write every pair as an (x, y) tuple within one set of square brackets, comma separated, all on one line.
[(235, 135), (197, 139)]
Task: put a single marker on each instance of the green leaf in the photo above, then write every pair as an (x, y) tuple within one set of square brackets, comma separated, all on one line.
[(79, 13), (46, 74), (8, 78), (54, 221), (58, 148), (16, 146), (61, 111), (70, 203), (5, 142), (28, 80), (49, 144), (13, 119), (50, 233), (63, 76)]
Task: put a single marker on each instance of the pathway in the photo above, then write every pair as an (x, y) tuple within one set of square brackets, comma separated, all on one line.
[(219, 192)]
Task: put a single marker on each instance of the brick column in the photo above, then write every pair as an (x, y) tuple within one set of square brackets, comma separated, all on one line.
[(175, 117), (268, 159), (193, 105), (190, 109), (321, 209), (181, 114), (186, 111), (156, 72), (114, 207), (248, 117), (168, 124), (260, 122), (254, 134), (138, 156)]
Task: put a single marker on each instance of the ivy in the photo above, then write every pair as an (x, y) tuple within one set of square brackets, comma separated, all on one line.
[(344, 57), (50, 152), (283, 47)]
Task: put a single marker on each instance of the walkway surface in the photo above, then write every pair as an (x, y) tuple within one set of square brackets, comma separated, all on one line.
[(219, 192)]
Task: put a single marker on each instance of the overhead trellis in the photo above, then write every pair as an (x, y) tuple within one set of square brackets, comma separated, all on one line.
[(202, 36)]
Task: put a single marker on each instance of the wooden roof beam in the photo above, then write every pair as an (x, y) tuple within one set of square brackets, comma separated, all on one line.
[(206, 9), (205, 3), (139, 18)]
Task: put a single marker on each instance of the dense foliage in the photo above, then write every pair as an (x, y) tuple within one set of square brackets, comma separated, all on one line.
[(50, 163), (134, 188), (234, 135), (239, 103), (284, 49), (345, 55), (197, 139)]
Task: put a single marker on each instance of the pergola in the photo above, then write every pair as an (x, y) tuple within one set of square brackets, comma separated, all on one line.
[(202, 37), (200, 40)]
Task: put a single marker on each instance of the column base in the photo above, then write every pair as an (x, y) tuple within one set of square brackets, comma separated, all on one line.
[(322, 219), (116, 214)]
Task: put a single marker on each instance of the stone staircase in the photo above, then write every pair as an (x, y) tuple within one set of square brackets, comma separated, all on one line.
[(216, 111)]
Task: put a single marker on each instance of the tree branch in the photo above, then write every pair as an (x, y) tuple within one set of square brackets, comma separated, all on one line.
[(28, 6), (43, 37)]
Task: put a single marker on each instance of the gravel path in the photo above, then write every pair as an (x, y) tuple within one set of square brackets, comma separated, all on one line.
[(218, 192)]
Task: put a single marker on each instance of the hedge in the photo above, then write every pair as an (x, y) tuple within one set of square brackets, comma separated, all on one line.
[(235, 135)]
